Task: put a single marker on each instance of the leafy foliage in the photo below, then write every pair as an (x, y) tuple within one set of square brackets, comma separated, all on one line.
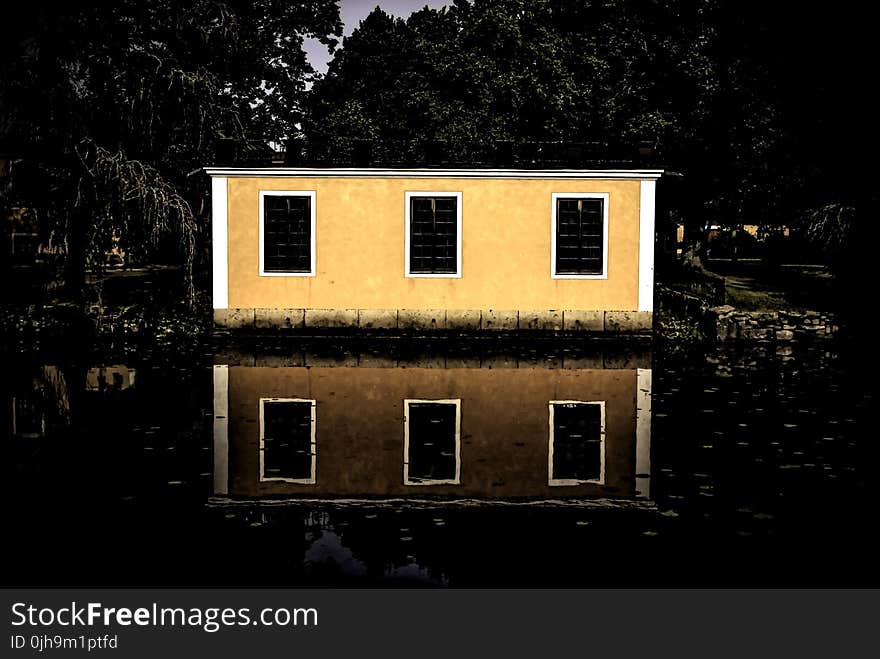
[(130, 198), (830, 226), (726, 90), (111, 107)]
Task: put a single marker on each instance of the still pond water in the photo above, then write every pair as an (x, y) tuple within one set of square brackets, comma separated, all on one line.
[(427, 463)]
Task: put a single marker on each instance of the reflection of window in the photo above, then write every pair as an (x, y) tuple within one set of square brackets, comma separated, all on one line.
[(28, 417), (432, 432), (580, 236), (287, 233), (577, 442), (287, 440), (433, 234)]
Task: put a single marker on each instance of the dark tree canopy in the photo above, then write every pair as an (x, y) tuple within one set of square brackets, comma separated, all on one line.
[(735, 95), (110, 107)]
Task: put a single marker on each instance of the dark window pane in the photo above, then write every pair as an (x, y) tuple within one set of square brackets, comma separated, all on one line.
[(433, 244), (28, 414), (287, 234), (579, 236), (431, 441), (287, 440), (577, 438)]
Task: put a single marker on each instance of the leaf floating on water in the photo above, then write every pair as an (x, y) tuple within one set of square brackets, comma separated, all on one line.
[(669, 513)]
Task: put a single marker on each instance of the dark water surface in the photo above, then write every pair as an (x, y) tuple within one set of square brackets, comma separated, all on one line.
[(402, 462)]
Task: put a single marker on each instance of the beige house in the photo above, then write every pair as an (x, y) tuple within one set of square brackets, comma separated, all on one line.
[(432, 249)]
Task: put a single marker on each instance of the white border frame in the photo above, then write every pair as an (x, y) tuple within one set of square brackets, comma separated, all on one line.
[(458, 242), (281, 479), (221, 429), (647, 208), (643, 432), (427, 172), (554, 482), (604, 196), (312, 194), (219, 243), (442, 401)]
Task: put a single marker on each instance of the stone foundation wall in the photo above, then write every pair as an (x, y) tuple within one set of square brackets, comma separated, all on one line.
[(468, 320), (780, 326)]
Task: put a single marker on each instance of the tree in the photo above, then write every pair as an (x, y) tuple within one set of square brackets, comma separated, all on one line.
[(112, 108), (718, 87)]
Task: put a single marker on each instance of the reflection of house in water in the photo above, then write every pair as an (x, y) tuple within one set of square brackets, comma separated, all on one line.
[(117, 377), (483, 433), (39, 398)]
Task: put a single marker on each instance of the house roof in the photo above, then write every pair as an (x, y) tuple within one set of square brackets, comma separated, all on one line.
[(427, 172)]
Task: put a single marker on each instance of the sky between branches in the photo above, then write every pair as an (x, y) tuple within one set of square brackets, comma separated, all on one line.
[(353, 12)]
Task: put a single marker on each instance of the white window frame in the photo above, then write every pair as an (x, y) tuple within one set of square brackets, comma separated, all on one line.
[(312, 195), (579, 195), (282, 479), (459, 238), (554, 482), (444, 481)]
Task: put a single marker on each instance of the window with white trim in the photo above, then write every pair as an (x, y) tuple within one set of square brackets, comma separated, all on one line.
[(577, 442), (580, 236), (287, 233), (287, 440), (433, 234), (432, 441)]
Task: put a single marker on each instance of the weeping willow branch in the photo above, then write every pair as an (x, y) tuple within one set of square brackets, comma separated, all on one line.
[(130, 204), (830, 226)]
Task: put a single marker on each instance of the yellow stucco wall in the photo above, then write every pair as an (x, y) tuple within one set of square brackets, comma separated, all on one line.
[(360, 236)]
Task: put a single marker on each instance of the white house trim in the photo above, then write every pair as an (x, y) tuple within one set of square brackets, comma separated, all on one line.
[(444, 401), (373, 172), (312, 195), (221, 429), (643, 433), (302, 481), (574, 481), (647, 193), (579, 195), (219, 243), (458, 237)]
